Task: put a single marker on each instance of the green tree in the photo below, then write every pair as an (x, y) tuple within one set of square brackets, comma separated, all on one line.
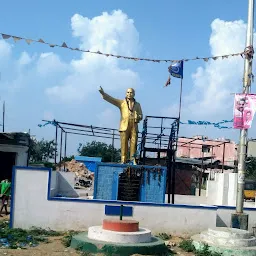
[(41, 151), (99, 149), (251, 168)]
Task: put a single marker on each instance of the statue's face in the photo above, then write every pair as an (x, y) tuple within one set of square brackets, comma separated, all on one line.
[(130, 93)]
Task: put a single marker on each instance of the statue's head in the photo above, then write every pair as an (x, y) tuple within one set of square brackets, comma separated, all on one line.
[(130, 93)]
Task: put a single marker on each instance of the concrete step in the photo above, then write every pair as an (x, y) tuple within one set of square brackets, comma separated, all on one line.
[(229, 233), (229, 241)]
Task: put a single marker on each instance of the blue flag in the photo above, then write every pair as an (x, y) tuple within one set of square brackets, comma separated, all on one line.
[(176, 69)]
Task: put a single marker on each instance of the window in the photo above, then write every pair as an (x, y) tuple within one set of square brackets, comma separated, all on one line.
[(206, 149)]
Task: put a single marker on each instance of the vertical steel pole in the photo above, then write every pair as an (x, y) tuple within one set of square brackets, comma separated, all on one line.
[(61, 146), (113, 146), (56, 144), (223, 156), (65, 151)]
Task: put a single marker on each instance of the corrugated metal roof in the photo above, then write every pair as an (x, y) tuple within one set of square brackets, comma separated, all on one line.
[(195, 161)]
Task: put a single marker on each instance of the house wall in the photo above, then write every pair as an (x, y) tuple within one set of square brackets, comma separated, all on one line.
[(251, 151), (183, 180), (195, 151), (222, 190), (21, 153)]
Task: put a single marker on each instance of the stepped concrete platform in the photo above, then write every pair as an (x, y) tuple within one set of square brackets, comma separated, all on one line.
[(155, 247), (98, 233), (119, 237), (228, 241), (121, 225)]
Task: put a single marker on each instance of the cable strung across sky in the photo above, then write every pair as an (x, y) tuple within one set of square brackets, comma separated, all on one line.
[(64, 45)]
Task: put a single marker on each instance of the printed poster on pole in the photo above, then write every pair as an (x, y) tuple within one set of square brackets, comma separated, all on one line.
[(244, 110)]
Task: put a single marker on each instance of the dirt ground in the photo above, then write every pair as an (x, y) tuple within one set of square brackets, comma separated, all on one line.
[(56, 248)]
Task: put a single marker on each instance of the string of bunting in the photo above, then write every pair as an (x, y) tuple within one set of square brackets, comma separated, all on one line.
[(47, 123), (190, 122), (205, 123), (64, 45)]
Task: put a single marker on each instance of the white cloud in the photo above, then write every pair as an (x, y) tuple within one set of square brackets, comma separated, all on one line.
[(110, 33), (50, 63), (48, 115), (5, 49), (213, 84), (109, 118), (24, 59)]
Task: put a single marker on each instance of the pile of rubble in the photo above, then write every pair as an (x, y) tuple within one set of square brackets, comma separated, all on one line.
[(84, 177)]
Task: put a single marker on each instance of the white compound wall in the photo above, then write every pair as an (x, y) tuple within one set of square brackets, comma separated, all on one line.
[(32, 205)]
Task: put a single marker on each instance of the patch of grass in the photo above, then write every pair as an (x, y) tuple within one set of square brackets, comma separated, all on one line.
[(164, 236), (66, 240), (15, 238), (187, 246)]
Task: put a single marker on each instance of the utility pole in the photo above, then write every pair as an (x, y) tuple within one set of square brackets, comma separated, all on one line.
[(239, 219)]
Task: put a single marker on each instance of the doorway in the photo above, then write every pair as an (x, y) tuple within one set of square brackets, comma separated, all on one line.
[(7, 161)]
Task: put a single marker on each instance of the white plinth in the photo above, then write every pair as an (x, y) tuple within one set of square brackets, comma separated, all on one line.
[(98, 233), (227, 237)]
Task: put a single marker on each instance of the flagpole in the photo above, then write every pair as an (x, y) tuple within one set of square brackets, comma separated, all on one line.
[(178, 129), (3, 114), (181, 87)]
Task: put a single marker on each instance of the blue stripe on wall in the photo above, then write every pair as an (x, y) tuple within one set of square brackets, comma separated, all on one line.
[(113, 210)]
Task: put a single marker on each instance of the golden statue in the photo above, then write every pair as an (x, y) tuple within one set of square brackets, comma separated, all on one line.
[(131, 115)]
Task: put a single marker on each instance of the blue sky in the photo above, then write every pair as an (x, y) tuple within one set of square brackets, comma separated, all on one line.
[(41, 82)]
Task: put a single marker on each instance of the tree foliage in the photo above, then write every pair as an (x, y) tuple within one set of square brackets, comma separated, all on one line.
[(41, 151), (99, 149), (251, 168)]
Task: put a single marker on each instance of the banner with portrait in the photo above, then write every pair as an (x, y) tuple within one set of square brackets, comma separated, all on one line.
[(244, 110)]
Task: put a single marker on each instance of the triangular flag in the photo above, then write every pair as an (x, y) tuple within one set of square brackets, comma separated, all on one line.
[(16, 39), (52, 45), (4, 36), (41, 41), (28, 41), (64, 45), (205, 59)]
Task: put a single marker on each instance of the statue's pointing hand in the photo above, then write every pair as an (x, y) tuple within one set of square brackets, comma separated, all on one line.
[(101, 90)]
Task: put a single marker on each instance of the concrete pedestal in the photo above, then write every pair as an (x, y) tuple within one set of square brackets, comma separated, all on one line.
[(98, 233), (119, 237), (121, 225), (239, 221), (228, 241), (82, 242)]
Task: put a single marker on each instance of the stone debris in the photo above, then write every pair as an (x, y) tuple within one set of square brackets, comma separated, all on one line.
[(84, 177)]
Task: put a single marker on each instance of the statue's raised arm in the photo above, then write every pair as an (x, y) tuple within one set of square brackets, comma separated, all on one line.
[(110, 99), (131, 115)]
